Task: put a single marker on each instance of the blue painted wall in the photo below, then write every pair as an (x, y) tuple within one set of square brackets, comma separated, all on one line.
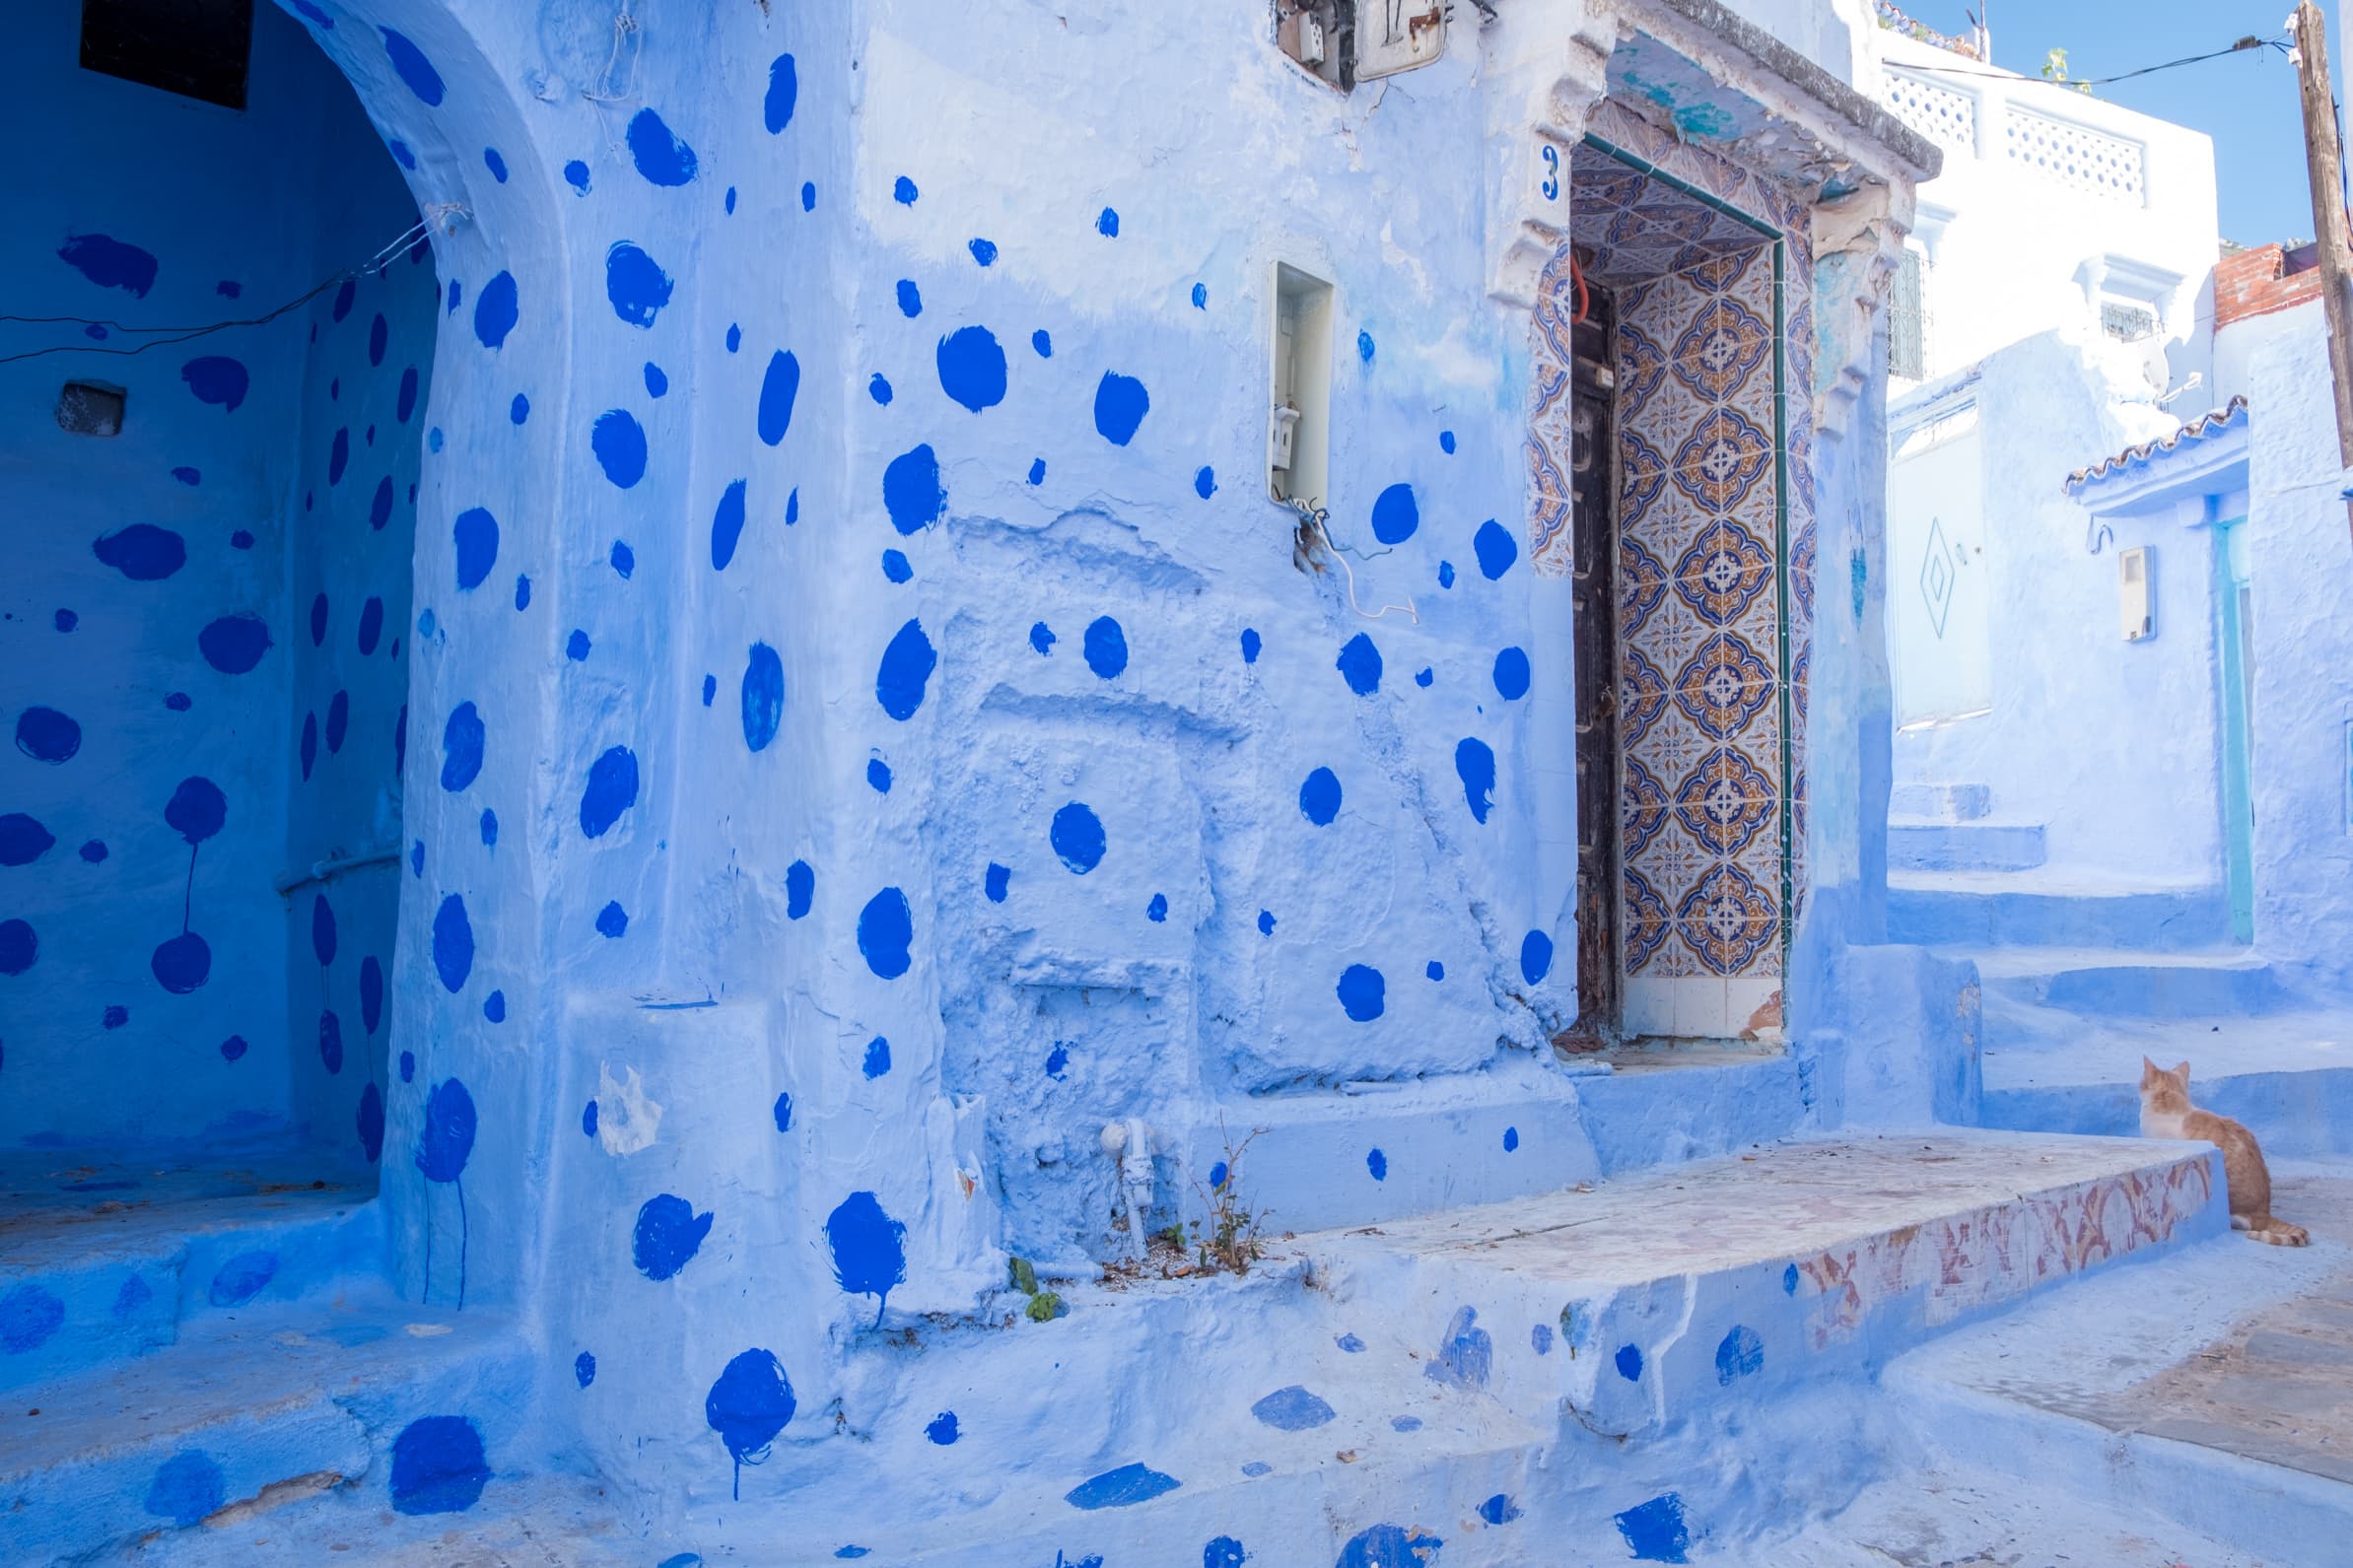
[(162, 591)]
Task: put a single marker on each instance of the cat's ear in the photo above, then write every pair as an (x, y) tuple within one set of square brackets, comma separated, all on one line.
[(2183, 1073), (2149, 1074)]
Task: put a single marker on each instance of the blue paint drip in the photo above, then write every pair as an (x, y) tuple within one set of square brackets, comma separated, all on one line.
[(669, 1234), (748, 1405), (869, 1247), (1475, 765)]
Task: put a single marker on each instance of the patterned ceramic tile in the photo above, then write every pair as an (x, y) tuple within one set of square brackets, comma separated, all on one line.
[(1726, 802), (1724, 572)]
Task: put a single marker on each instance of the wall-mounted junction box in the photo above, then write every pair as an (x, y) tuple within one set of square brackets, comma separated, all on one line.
[(1347, 42), (2137, 593), (1299, 410)]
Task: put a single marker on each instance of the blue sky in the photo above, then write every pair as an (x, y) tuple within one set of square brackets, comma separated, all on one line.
[(2247, 103)]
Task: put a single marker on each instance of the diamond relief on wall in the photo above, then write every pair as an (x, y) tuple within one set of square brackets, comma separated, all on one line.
[(1723, 686), (1723, 572), (1724, 802)]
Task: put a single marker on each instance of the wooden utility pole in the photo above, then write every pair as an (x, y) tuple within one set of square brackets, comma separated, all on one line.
[(2322, 161)]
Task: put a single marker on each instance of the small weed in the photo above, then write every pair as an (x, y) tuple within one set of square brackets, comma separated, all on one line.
[(1228, 1240), (1044, 1305)]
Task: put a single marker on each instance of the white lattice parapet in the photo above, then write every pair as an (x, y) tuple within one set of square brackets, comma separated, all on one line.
[(1936, 111), (2089, 161)]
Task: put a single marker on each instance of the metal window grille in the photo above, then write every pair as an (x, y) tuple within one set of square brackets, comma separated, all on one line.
[(1907, 321), (2127, 322)]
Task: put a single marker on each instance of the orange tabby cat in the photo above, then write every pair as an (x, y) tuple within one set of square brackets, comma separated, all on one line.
[(2166, 1113)]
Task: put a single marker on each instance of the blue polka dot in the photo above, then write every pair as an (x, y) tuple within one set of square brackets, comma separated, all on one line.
[(1157, 909), (878, 390), (972, 368), (584, 1369), (1475, 765), (495, 164), (1266, 923), (1121, 403), (1629, 1363), (496, 310), (911, 492), (1423, 676), (490, 827), (611, 790), (612, 920), (1511, 1145), (233, 643), (410, 62), (1105, 647), (1377, 1163), (877, 1058), (657, 383), (1496, 549), (476, 533), (809, 196), (780, 386), (879, 776), (1251, 644), (452, 944), (1365, 349), (93, 851), (619, 442), (1511, 674), (1536, 957), (983, 252), (911, 299), (66, 620), (1435, 970), (784, 1112), (576, 647), (1201, 297), (1395, 514), (1037, 471), (895, 566), (1359, 664), (784, 92), (734, 337), (942, 1429), (660, 156), (1445, 574), (519, 410), (1076, 835), (903, 191), (1446, 442), (885, 933), (1204, 482), (576, 174), (801, 889), (709, 688), (905, 671), (996, 881), (1042, 343), (1362, 991), (1319, 797), (727, 525)]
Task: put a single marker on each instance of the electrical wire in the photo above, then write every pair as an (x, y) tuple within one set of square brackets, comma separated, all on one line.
[(183, 334), (2251, 42)]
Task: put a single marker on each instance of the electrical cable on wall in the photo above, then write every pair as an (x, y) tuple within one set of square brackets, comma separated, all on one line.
[(1312, 517), (170, 335), (2242, 46)]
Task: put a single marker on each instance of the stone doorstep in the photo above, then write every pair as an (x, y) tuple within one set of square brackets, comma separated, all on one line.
[(276, 1399), (1638, 1304)]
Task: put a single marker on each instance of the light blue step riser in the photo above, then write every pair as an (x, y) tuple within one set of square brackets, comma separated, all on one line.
[(1945, 802), (1964, 845), (2157, 990), (2300, 1115), (2159, 922)]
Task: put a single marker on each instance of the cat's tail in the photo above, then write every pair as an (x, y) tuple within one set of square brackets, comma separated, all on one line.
[(2271, 1232)]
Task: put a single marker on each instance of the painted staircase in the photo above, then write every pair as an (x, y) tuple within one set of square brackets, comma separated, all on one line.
[(1617, 1367), (181, 1337)]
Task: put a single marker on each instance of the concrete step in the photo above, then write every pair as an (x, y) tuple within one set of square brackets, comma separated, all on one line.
[(2288, 1076), (2108, 982), (1690, 1287), (1916, 844), (1941, 802), (2213, 1392), (273, 1406), (110, 1259), (2040, 908)]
